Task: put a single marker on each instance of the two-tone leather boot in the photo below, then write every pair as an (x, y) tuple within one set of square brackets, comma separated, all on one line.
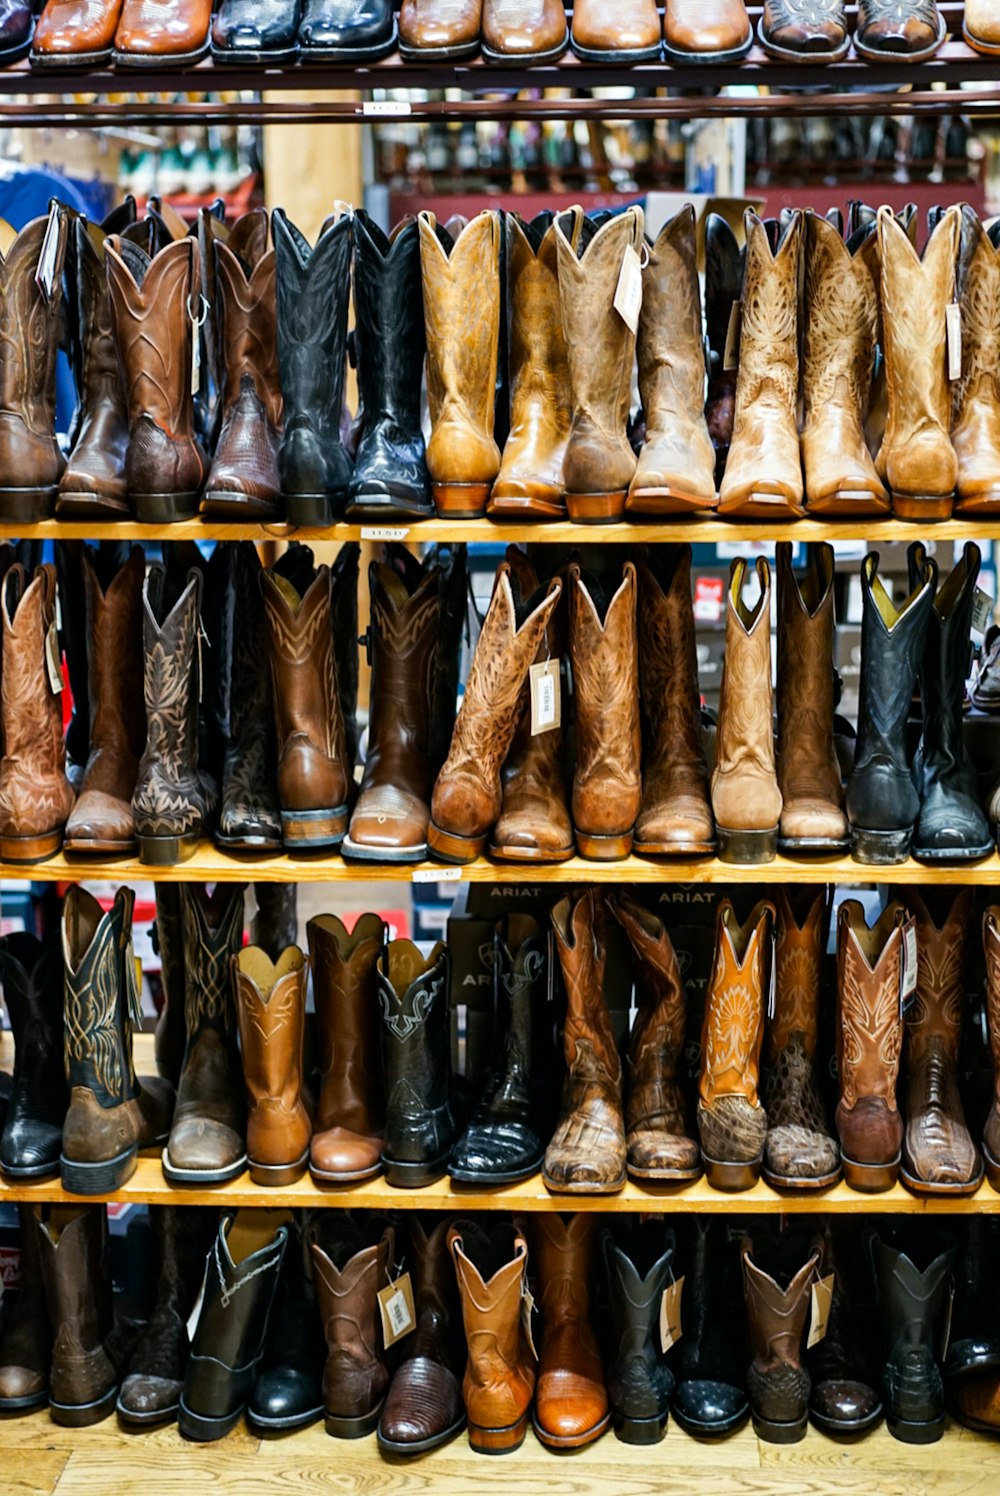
[(599, 463), (812, 791), (413, 645), (916, 459), (799, 1152), (914, 1304), (390, 471), (26, 1342), (587, 1151), (249, 815), (468, 794), (349, 1276), (420, 1121), (869, 1044), (461, 280), (289, 1390), (658, 1128), (899, 30), (639, 1268), (976, 401), (798, 31), (746, 800), (844, 1400), (32, 974), (604, 654), (112, 1113), (424, 1407), (491, 1268), (35, 794), (882, 801), (777, 1314), (676, 471), (710, 1363), (724, 262), (763, 477), (939, 1156), (271, 1010), (313, 291), (675, 816), (350, 1114), (991, 955), (732, 1122), (571, 1400), (207, 1143), (101, 820)]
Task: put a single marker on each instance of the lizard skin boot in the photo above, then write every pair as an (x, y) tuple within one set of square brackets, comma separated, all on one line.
[(348, 1280), (724, 262), (640, 1383), (914, 1307), (250, 816), (731, 1120), (991, 954), (869, 1044), (26, 1343), (32, 974), (777, 1315), (571, 1400), (587, 1151), (420, 1121), (976, 399), (271, 1010), (499, 1380)]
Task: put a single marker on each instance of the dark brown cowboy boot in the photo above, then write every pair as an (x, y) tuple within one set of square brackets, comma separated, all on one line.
[(250, 816), (170, 1037), (777, 1315), (348, 1279), (26, 1344)]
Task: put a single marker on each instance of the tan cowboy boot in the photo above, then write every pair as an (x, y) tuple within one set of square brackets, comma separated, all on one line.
[(975, 431), (499, 1381)]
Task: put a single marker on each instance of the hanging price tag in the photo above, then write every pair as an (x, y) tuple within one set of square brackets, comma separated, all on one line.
[(195, 1315), (52, 662), (546, 697), (908, 964), (49, 259), (395, 1305), (733, 335), (628, 296), (670, 1315), (953, 325), (946, 1334), (772, 990), (527, 1310), (982, 611), (819, 1310)]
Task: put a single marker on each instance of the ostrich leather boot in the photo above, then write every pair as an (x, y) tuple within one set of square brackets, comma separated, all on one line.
[(271, 1008), (587, 1152), (676, 472), (468, 795), (348, 1280), (799, 1152), (31, 971), (869, 1044), (658, 1131), (975, 430), (812, 792), (763, 477), (777, 1316), (499, 1380), (675, 815), (991, 953), (603, 650), (732, 1122), (724, 262), (746, 801), (939, 1156), (571, 1401)]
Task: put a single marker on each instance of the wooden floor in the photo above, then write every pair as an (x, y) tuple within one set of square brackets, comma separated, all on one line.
[(38, 1458)]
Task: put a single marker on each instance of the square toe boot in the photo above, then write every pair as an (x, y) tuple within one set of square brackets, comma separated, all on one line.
[(629, 33), (571, 1400), (289, 1390), (844, 1400), (271, 1008), (698, 32), (420, 1119), (981, 26), (155, 36), (348, 1280), (499, 1380), (899, 30), (709, 1365), (805, 30), (32, 974), (638, 1266), (72, 1245), (26, 1343), (913, 1305), (974, 430), (439, 30), (517, 33), (777, 1316)]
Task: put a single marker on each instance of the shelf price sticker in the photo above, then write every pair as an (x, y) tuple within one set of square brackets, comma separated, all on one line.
[(436, 875), (386, 108), (384, 532), (670, 1315), (395, 1305), (546, 697), (819, 1309)]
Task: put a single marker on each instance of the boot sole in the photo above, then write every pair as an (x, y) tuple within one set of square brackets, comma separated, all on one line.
[(375, 508), (707, 59), (249, 843), (880, 848), (603, 848), (486, 1181), (523, 59), (361, 853), (204, 1430), (988, 49), (290, 1421), (520, 507), (89, 506), (76, 848), (461, 500), (823, 846), (498, 1440), (353, 1428), (219, 503), (671, 849), (314, 511), (201, 1176), (19, 506), (564, 1444), (438, 54), (919, 1186), (100, 1178), (640, 1430), (531, 854), (952, 854), (348, 54), (447, 846), (174, 59), (668, 1176), (730, 1177), (233, 57), (585, 1187), (784, 1182), (930, 507), (403, 1176), (849, 1428), (24, 1404), (139, 1421), (166, 851), (596, 508), (82, 1415), (322, 1177), (30, 1171), (268, 1175), (30, 849), (745, 847), (419, 1446), (916, 1433), (664, 502), (616, 55), (308, 830), (780, 1433), (165, 508), (870, 1179)]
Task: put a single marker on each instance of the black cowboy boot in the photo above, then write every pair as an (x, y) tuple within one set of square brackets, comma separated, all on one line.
[(710, 1396), (844, 1398), (416, 1049), (913, 1305), (639, 1381), (32, 974)]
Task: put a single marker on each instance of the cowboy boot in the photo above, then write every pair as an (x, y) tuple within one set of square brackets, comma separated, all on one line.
[(461, 282), (356, 1375), (710, 1363), (587, 1151), (763, 477), (72, 594), (112, 1113), (313, 290), (724, 263), (32, 974), (799, 1152), (639, 1381), (420, 1120), (571, 1401), (976, 398), (101, 820), (499, 1380), (732, 1122), (746, 801), (207, 1143), (170, 1037), (250, 817), (35, 795), (675, 817), (939, 1156), (603, 648), (173, 798), (844, 1400), (882, 802), (313, 772), (676, 471), (805, 30), (869, 1044), (350, 1116), (838, 355), (271, 1010), (777, 1314), (658, 1130), (599, 463), (289, 1390), (390, 473), (468, 796), (899, 30), (26, 1343), (991, 953), (914, 1309), (812, 792), (916, 459)]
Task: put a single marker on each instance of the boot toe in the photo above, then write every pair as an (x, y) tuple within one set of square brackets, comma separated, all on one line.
[(146, 1396), (710, 1404), (846, 1402), (424, 1401), (199, 1143), (389, 819), (251, 823), (495, 1149), (285, 1393), (682, 824), (339, 1151), (651, 1152), (18, 1382), (538, 835), (812, 820), (38, 1150), (569, 1406), (795, 1152), (97, 817)]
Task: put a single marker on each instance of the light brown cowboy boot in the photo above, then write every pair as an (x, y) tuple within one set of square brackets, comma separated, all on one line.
[(975, 431), (499, 1381), (271, 1008), (571, 1401)]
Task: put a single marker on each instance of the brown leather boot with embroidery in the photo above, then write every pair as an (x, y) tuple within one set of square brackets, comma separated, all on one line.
[(975, 432), (991, 953)]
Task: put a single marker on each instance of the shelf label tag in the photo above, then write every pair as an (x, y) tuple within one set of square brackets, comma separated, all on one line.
[(732, 336), (56, 683), (395, 1305), (436, 875), (670, 1315), (546, 697), (628, 296), (386, 108), (982, 611), (819, 1310), (908, 965), (384, 532), (527, 1310), (953, 324)]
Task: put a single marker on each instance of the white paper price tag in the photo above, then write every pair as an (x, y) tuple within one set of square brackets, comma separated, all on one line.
[(546, 697), (386, 108), (436, 875), (908, 967), (396, 1309), (953, 324), (52, 662), (628, 296), (733, 335), (819, 1310), (670, 1315), (384, 532), (982, 611)]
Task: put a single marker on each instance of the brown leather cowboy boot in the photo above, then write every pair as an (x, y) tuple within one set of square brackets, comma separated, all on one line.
[(586, 1154), (731, 1121), (991, 953), (799, 1152), (869, 1044), (271, 1007), (675, 817), (468, 795), (778, 1378), (350, 1117), (658, 1132), (249, 814), (26, 1344), (571, 1400), (676, 471), (976, 401), (35, 795), (939, 1156), (746, 800), (348, 1279), (499, 1380), (102, 820), (603, 648), (812, 792)]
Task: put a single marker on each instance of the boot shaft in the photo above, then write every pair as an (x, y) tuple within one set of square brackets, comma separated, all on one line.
[(768, 373), (151, 308), (32, 719), (491, 1272), (212, 934), (944, 664), (31, 972), (565, 1255), (934, 1019), (656, 1043), (840, 302), (733, 1026), (403, 640), (806, 675), (668, 661), (745, 734), (461, 295), (102, 999), (892, 646), (635, 1294), (799, 948), (991, 953), (172, 671), (539, 368), (247, 304), (912, 1302), (870, 1025), (916, 363), (416, 1039), (303, 669), (115, 667), (241, 1277), (72, 1245), (345, 993), (777, 1317), (669, 346), (270, 1004), (536, 756), (389, 311), (604, 652), (347, 1298), (312, 295), (100, 372), (588, 1040), (978, 278), (435, 1294), (30, 318), (599, 343)]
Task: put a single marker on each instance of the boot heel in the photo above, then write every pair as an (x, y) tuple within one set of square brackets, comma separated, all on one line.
[(270, 1175), (165, 851), (313, 511), (25, 506), (461, 500), (880, 848), (452, 848), (97, 1179), (498, 1440), (402, 1176), (29, 849), (731, 1177), (308, 830), (352, 1428), (205, 1430), (780, 1433), (919, 507), (83, 1415), (915, 1433), (640, 1430), (869, 1179), (746, 846), (596, 508), (164, 508), (603, 848), (992, 1171)]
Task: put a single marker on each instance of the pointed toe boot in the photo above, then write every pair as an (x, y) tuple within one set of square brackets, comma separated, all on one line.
[(777, 1315), (914, 1306), (250, 815), (348, 1280), (571, 1400), (420, 1123), (26, 1342), (499, 1380), (639, 1381), (271, 1008), (32, 974)]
